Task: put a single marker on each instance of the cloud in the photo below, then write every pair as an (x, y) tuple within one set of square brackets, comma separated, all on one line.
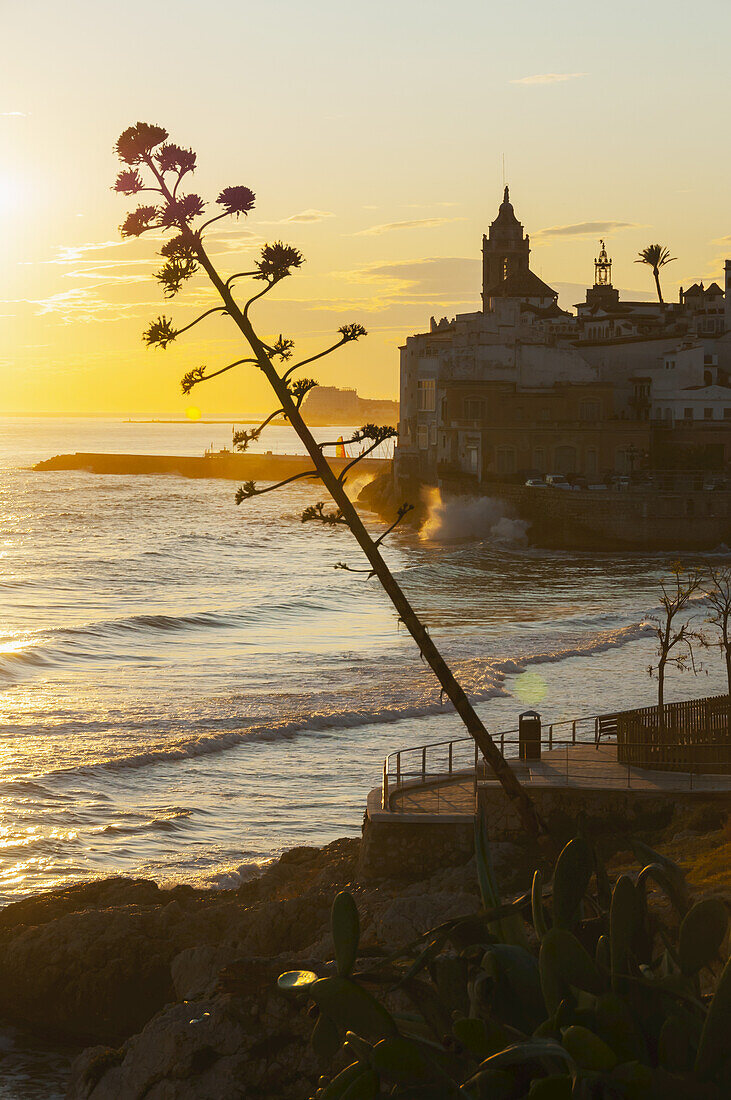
[(585, 229), (547, 78), (14, 114), (310, 216), (417, 223)]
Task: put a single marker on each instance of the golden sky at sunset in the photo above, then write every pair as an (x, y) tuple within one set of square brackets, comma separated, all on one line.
[(372, 135)]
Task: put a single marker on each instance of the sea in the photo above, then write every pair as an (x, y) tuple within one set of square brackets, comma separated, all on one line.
[(189, 687)]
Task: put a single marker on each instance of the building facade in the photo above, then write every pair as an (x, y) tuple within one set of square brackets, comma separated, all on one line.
[(524, 388)]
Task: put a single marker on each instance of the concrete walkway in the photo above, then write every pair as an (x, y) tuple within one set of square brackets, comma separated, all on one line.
[(580, 766)]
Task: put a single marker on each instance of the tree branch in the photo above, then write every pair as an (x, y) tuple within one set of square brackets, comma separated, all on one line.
[(356, 460), (238, 275), (312, 358), (403, 510), (246, 436), (216, 309), (193, 377), (249, 489)]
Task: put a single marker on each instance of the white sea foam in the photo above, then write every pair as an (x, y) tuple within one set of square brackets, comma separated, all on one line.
[(451, 519)]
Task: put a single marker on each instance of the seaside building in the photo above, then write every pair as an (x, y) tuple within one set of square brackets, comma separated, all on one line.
[(525, 388)]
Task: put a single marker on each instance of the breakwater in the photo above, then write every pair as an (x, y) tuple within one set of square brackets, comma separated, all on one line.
[(220, 464)]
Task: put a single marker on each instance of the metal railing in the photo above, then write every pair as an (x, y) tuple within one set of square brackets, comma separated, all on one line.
[(452, 772), (442, 759)]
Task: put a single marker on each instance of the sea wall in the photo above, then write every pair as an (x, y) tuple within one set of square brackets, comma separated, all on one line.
[(222, 464), (402, 845)]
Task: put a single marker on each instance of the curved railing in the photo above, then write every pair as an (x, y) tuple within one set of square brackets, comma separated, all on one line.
[(442, 760)]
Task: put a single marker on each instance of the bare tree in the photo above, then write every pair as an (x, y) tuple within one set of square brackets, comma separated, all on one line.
[(718, 597), (145, 147), (675, 639)]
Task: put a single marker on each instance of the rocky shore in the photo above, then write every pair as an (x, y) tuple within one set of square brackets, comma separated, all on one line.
[(170, 994)]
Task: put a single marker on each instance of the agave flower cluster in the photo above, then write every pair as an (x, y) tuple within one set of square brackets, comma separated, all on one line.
[(146, 146)]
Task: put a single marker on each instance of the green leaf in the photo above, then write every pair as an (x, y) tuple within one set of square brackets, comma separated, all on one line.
[(406, 1062), (296, 981), (325, 1038), (674, 874), (570, 882), (713, 1050), (485, 872), (622, 919), (514, 994), (365, 1087), (588, 1050), (480, 1037), (335, 1090), (345, 930), (529, 1051), (352, 1006), (617, 1026), (573, 962), (539, 913), (556, 1087), (701, 935)]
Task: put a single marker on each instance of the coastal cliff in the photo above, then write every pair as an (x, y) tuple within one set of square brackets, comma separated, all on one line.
[(174, 990)]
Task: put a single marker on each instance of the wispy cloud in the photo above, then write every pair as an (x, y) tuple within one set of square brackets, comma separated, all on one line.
[(14, 114), (585, 229), (310, 216), (416, 223), (547, 78)]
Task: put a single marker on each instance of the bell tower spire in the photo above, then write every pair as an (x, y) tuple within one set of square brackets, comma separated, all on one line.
[(602, 267)]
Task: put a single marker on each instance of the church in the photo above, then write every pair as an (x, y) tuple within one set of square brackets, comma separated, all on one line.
[(522, 387)]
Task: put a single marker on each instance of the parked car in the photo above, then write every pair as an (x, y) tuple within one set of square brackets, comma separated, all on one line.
[(536, 483), (557, 481)]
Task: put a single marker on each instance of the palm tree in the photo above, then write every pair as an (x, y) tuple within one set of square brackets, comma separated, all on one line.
[(656, 256)]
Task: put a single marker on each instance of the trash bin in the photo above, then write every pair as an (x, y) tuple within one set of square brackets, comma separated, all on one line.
[(529, 735)]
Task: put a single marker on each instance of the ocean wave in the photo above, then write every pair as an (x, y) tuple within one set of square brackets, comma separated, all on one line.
[(388, 694), (59, 645)]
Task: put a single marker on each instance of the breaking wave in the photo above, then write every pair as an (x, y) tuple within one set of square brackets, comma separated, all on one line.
[(388, 695), (457, 518)]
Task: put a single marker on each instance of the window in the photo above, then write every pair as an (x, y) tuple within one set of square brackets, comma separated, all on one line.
[(433, 435), (727, 413), (589, 410), (423, 437), (473, 408), (669, 364), (427, 395), (545, 414), (708, 414), (505, 268), (592, 462), (687, 414), (505, 460), (564, 460)]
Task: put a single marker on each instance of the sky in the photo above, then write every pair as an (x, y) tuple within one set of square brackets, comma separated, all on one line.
[(373, 135)]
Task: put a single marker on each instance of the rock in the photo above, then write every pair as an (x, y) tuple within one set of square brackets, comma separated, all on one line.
[(195, 971), (405, 918), (222, 1048)]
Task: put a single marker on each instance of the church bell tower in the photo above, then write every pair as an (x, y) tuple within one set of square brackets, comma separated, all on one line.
[(505, 250), (602, 293)]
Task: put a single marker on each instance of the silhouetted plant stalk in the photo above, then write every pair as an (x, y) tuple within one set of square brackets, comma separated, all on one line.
[(184, 254)]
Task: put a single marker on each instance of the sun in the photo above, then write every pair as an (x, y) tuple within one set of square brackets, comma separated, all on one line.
[(11, 193), (193, 412)]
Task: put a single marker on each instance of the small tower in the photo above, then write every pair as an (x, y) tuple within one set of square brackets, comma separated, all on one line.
[(727, 300), (602, 268), (602, 294)]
